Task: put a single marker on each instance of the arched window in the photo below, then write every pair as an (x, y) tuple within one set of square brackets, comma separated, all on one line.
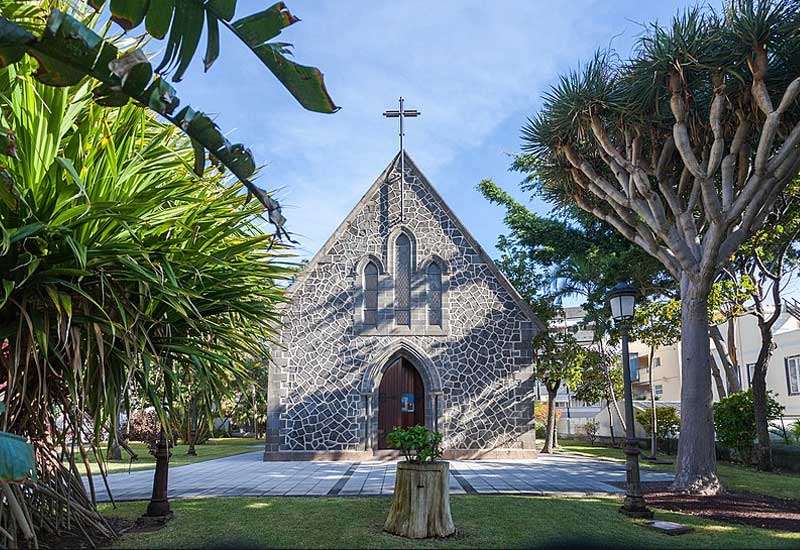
[(402, 280), (371, 294), (434, 294)]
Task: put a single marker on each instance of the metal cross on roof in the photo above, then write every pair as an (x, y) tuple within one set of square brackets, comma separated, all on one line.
[(401, 114)]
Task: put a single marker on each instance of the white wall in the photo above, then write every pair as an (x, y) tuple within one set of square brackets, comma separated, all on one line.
[(786, 337), (602, 418)]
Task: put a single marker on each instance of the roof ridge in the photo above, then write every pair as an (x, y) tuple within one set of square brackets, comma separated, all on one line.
[(411, 165)]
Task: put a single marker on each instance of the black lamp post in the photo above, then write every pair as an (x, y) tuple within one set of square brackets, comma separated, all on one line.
[(622, 299), (158, 507)]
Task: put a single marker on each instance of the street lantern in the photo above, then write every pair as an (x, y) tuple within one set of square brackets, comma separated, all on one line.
[(622, 299)]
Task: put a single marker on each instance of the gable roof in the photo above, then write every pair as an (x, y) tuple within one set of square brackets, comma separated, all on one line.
[(523, 306)]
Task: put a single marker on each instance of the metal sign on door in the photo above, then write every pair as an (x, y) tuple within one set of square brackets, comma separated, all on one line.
[(407, 402)]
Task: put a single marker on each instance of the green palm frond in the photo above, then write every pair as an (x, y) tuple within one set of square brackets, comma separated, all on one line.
[(121, 271)]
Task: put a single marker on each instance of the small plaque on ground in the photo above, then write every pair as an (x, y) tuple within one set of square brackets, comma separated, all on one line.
[(668, 527)]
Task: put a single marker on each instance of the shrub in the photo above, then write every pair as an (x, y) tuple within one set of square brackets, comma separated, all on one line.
[(222, 431), (668, 422), (540, 413), (796, 432), (418, 444), (143, 425), (736, 424), (591, 428)]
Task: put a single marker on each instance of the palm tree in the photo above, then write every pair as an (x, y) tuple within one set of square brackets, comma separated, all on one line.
[(120, 270)]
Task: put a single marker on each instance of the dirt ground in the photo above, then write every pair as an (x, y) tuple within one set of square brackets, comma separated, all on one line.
[(742, 508)]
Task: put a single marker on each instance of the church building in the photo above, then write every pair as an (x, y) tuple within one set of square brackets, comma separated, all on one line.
[(401, 319)]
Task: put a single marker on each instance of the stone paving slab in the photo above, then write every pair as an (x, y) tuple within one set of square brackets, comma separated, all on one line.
[(248, 475)]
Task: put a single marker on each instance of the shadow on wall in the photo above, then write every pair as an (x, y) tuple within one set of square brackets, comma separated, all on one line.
[(482, 406), (484, 402)]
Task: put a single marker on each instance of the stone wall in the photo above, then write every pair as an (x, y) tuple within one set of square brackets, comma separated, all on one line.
[(476, 366)]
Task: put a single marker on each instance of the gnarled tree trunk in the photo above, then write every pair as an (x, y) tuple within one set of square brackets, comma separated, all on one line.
[(768, 275), (725, 357), (695, 469), (549, 439), (421, 502), (717, 376), (763, 452)]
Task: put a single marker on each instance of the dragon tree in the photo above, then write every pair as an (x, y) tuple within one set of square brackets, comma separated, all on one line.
[(684, 148)]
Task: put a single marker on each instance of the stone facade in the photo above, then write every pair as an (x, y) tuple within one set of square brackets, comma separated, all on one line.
[(474, 360)]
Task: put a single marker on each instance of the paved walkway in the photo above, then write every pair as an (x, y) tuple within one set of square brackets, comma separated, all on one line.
[(247, 475)]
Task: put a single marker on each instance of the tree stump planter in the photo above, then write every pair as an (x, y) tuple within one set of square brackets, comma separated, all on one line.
[(421, 502)]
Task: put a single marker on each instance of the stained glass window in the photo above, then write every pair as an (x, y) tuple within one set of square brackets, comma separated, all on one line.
[(434, 294), (402, 281), (371, 294)]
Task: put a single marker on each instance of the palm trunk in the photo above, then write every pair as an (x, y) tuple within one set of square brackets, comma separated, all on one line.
[(114, 450), (696, 463), (192, 427), (551, 421), (654, 416)]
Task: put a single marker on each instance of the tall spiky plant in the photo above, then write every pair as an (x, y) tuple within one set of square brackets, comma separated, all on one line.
[(119, 269), (684, 149)]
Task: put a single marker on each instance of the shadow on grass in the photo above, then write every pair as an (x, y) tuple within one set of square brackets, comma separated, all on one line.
[(482, 522)]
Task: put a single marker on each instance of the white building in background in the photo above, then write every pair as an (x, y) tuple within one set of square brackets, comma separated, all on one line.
[(574, 413), (783, 374)]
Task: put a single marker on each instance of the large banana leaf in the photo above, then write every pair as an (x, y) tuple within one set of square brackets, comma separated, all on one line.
[(68, 50), (185, 21)]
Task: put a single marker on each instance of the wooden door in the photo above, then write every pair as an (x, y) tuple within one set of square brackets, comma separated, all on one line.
[(396, 406)]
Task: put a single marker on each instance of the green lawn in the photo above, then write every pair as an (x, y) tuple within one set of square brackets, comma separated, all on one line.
[(482, 522), (213, 448), (734, 477)]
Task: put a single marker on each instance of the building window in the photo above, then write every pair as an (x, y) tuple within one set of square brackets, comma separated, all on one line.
[(793, 374), (371, 294), (634, 366), (402, 280), (659, 390), (434, 294), (656, 362)]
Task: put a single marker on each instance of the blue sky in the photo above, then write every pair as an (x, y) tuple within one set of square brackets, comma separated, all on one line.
[(475, 70)]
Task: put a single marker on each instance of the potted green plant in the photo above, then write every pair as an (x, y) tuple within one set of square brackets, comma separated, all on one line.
[(421, 502)]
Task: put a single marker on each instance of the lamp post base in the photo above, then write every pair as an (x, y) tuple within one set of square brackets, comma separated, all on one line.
[(634, 505)]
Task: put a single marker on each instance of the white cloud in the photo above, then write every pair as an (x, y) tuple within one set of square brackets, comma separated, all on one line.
[(471, 67)]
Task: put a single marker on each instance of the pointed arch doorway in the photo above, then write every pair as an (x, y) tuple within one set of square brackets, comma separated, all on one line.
[(401, 399)]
